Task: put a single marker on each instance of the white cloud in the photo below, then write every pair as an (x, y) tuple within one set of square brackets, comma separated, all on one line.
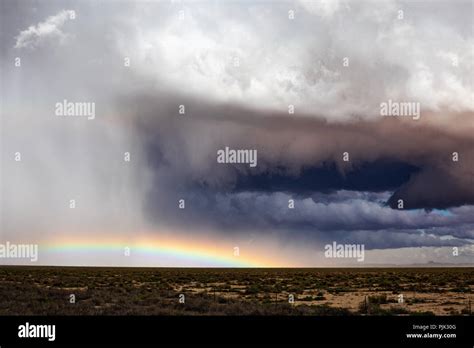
[(323, 8), (300, 61), (35, 35)]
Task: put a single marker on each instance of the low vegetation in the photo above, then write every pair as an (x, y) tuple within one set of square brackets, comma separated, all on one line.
[(166, 291)]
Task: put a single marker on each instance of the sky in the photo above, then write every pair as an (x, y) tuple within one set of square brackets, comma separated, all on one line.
[(301, 83)]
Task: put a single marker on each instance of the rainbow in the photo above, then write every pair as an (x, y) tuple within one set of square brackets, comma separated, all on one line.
[(158, 253)]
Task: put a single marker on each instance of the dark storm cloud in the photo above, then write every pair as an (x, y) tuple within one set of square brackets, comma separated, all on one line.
[(380, 175), (301, 159), (305, 155), (270, 211), (350, 220), (436, 188)]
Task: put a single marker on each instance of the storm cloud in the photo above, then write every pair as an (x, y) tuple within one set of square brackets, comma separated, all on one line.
[(299, 82)]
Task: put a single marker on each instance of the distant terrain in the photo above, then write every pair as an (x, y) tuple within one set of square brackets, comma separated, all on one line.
[(204, 291)]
